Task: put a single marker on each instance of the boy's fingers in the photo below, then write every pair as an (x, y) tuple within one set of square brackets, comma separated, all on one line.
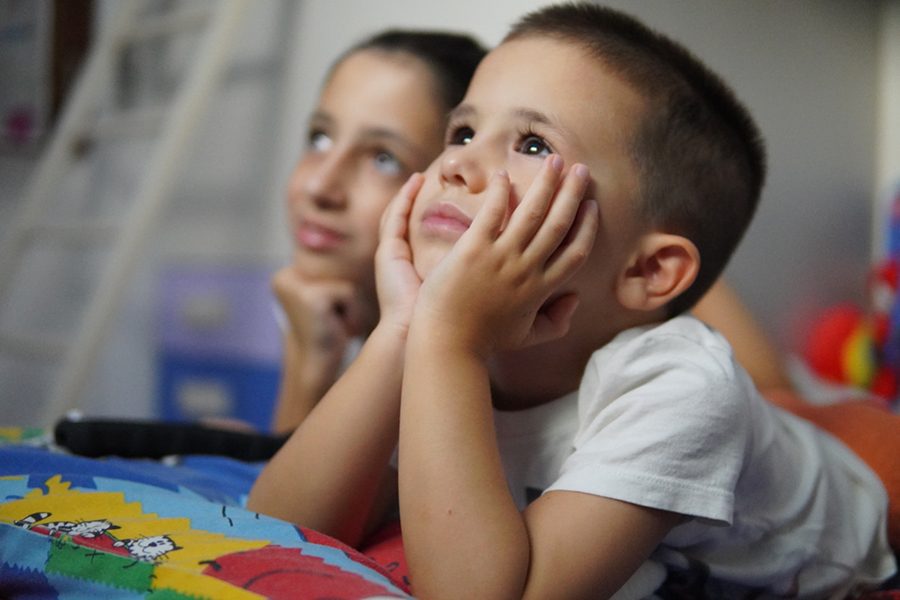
[(575, 250), (561, 216), (554, 318), (528, 216), (490, 218), (394, 220)]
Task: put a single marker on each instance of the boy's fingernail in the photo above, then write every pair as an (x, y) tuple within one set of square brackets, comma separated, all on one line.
[(580, 171), (556, 162), (501, 174)]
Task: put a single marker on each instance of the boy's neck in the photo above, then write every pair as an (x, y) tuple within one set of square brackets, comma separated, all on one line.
[(530, 377), (527, 378)]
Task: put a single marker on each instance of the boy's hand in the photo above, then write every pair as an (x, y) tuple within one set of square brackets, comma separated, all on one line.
[(396, 279), (323, 315), (497, 288)]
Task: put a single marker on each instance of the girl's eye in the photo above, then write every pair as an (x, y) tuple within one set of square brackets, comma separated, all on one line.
[(460, 136), (533, 145), (387, 163), (319, 141)]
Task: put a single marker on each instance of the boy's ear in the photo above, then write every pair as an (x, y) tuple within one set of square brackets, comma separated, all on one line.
[(663, 267)]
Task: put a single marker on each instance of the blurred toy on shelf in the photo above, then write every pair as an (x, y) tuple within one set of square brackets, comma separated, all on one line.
[(860, 346)]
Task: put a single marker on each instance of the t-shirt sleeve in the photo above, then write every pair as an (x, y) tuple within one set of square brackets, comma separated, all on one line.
[(663, 423)]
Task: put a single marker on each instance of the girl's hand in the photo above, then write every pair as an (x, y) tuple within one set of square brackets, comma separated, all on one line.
[(396, 279), (323, 315), (497, 289)]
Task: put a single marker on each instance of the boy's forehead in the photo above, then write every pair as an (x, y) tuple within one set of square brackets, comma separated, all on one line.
[(545, 58), (560, 79)]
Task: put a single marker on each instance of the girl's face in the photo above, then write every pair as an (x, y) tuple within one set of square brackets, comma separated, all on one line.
[(377, 121)]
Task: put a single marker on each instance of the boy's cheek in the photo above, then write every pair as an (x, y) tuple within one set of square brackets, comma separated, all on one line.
[(522, 173), (430, 187), (427, 252), (414, 237)]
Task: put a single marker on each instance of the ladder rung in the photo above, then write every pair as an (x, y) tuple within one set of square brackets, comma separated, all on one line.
[(77, 231), (154, 190), (133, 123), (155, 26), (32, 346)]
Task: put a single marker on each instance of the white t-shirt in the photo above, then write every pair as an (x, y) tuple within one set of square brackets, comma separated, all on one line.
[(665, 418)]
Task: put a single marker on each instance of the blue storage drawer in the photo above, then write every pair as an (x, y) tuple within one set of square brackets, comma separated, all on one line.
[(219, 345)]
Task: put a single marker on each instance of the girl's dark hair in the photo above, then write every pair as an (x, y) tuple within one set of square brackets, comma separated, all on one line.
[(451, 57)]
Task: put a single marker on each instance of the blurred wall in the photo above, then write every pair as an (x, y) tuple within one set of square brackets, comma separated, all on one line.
[(810, 71), (887, 173)]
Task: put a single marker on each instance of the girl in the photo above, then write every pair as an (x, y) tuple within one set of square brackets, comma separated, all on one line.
[(380, 117)]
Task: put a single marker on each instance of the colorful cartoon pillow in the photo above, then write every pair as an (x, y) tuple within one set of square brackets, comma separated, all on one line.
[(92, 528)]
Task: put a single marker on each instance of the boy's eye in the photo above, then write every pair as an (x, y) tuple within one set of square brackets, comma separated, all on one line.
[(387, 163), (534, 146), (460, 136), (319, 141)]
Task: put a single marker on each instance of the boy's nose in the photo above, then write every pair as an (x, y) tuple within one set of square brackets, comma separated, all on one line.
[(461, 168)]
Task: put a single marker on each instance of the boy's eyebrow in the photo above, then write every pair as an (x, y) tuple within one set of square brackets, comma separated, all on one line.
[(460, 111), (526, 114), (536, 116), (320, 117)]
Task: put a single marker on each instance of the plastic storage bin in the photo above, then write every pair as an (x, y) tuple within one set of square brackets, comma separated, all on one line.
[(219, 343)]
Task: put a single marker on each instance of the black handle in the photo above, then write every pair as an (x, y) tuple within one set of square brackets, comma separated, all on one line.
[(155, 439)]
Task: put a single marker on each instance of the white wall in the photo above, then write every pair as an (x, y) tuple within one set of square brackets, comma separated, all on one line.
[(887, 172), (809, 70)]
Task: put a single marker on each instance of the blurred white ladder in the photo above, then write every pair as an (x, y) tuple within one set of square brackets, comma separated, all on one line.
[(173, 127)]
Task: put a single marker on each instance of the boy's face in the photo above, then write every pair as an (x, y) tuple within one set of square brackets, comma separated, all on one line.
[(531, 97)]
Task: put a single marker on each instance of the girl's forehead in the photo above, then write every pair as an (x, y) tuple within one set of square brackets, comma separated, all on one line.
[(368, 70), (373, 91)]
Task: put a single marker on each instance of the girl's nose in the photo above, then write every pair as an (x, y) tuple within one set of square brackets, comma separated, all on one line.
[(460, 166), (325, 183)]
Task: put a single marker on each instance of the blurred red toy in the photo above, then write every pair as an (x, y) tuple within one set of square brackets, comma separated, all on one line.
[(861, 348), (843, 348)]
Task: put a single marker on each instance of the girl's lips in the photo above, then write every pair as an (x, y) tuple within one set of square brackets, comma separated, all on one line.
[(445, 219), (316, 237)]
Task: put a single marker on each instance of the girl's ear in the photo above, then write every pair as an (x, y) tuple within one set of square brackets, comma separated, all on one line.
[(663, 267)]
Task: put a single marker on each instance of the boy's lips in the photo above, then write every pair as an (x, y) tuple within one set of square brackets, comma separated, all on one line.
[(445, 219), (313, 236)]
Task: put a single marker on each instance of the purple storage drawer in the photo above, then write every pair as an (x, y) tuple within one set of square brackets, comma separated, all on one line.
[(219, 311)]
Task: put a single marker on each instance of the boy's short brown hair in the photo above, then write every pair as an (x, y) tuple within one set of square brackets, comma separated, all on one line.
[(699, 155)]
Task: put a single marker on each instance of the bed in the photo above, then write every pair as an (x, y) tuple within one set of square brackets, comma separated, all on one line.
[(76, 527)]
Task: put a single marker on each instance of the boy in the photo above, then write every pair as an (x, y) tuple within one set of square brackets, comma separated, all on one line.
[(559, 423)]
